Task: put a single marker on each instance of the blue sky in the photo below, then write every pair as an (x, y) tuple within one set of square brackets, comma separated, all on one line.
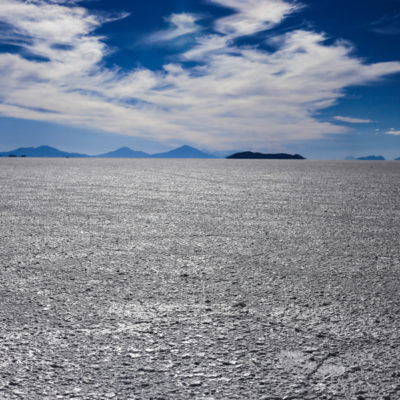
[(318, 77)]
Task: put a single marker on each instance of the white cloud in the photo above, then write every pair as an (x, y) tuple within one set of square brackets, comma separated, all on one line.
[(180, 25), (351, 120), (206, 46), (392, 131), (237, 97), (40, 20)]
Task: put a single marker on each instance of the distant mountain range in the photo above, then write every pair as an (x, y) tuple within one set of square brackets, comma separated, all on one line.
[(367, 158), (249, 155), (123, 152), (180, 152)]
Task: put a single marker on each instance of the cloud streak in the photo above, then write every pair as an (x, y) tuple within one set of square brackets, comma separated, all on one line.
[(392, 131), (234, 97), (353, 120)]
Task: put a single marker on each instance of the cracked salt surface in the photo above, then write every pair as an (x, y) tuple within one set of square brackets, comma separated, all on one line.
[(177, 279)]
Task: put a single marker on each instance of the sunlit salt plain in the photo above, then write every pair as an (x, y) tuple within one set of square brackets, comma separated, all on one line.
[(208, 279)]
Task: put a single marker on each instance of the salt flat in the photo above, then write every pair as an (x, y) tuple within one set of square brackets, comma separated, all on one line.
[(214, 279)]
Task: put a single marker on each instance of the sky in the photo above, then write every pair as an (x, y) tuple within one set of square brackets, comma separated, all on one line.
[(315, 77)]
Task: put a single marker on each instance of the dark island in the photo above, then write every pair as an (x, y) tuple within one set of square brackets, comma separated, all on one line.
[(249, 155)]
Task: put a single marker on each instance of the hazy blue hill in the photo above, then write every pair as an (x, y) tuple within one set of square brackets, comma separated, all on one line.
[(41, 151), (124, 152), (249, 155), (397, 159), (183, 152), (371, 158)]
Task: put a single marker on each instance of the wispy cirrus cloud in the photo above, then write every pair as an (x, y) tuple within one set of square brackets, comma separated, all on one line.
[(252, 16), (387, 25), (351, 120), (179, 25), (233, 96)]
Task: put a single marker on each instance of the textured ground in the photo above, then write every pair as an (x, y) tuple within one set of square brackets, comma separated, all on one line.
[(164, 279)]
